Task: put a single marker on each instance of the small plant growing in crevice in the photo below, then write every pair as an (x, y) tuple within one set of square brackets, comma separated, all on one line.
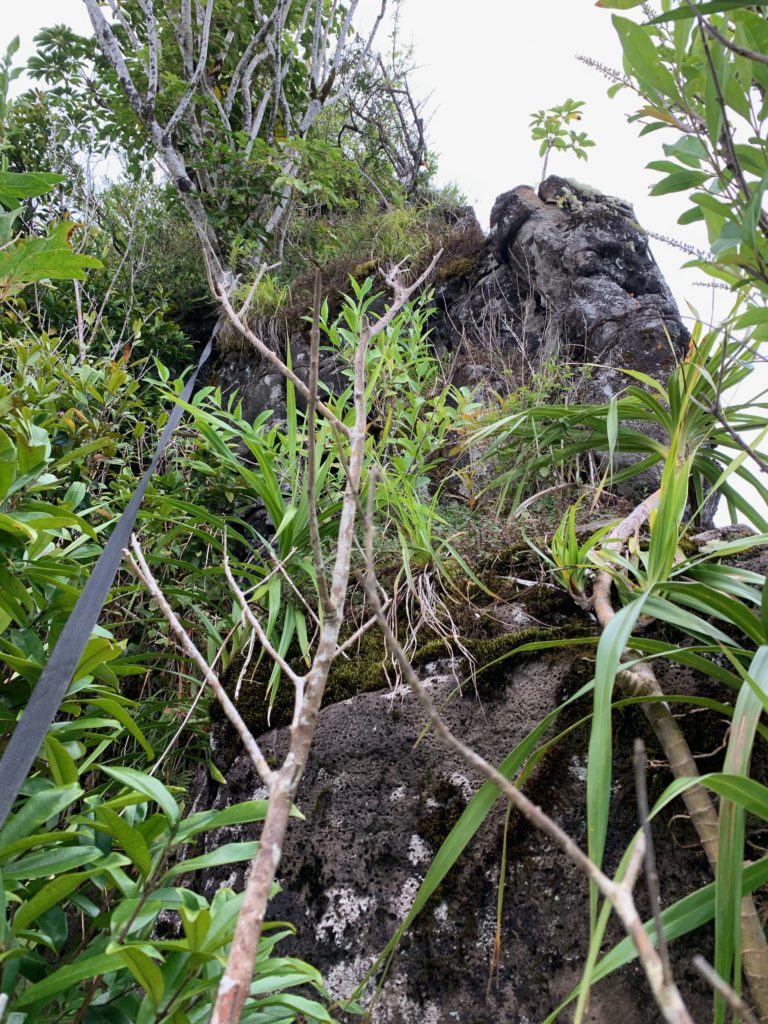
[(552, 129)]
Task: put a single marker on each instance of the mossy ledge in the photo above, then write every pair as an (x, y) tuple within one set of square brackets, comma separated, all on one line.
[(363, 671), (494, 655)]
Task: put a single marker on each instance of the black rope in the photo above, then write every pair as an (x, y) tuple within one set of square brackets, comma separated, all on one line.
[(55, 678)]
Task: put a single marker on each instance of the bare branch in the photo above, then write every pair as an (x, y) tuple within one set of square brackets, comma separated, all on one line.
[(196, 74), (138, 564), (736, 1003), (153, 44), (187, 44), (125, 24), (401, 293), (220, 291), (314, 526), (256, 626), (651, 875)]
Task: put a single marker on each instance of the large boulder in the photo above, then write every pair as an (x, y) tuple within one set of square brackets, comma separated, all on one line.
[(380, 796)]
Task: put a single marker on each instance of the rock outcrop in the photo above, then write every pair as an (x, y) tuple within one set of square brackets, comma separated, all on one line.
[(380, 797), (565, 274)]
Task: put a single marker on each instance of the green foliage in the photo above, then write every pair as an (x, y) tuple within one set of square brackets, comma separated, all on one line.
[(686, 410), (112, 860), (355, 239), (24, 260), (551, 129), (249, 141), (709, 97), (95, 838), (102, 919), (415, 420)]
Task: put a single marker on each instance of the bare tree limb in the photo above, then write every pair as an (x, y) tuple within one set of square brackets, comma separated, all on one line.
[(138, 564), (314, 526), (736, 1003), (651, 874), (249, 617)]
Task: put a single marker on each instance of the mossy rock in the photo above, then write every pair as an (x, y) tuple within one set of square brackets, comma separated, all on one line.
[(495, 656), (361, 672), (462, 266)]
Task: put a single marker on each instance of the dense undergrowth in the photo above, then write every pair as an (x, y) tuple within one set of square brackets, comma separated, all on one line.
[(104, 301)]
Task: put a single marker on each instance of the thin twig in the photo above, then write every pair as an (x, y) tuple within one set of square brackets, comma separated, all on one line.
[(729, 44), (80, 325), (266, 352), (314, 366), (201, 690), (361, 631), (736, 1003), (256, 625), (651, 874), (138, 564)]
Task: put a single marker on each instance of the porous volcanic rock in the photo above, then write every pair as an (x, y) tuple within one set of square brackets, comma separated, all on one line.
[(567, 274), (380, 797)]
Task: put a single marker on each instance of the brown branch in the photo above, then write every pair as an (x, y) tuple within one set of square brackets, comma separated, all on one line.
[(235, 982), (256, 626), (314, 370), (220, 291), (736, 1003), (651, 874), (729, 44), (640, 680)]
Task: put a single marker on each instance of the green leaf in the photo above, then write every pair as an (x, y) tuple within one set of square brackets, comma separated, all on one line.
[(37, 809), (730, 836), (147, 786), (122, 716), (126, 837), (679, 181), (7, 463), (25, 185), (609, 654), (51, 862), (746, 792), (643, 57), (144, 970), (98, 651), (63, 768), (229, 853), (237, 814), (51, 894), (298, 1004), (708, 7), (65, 977), (39, 259)]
